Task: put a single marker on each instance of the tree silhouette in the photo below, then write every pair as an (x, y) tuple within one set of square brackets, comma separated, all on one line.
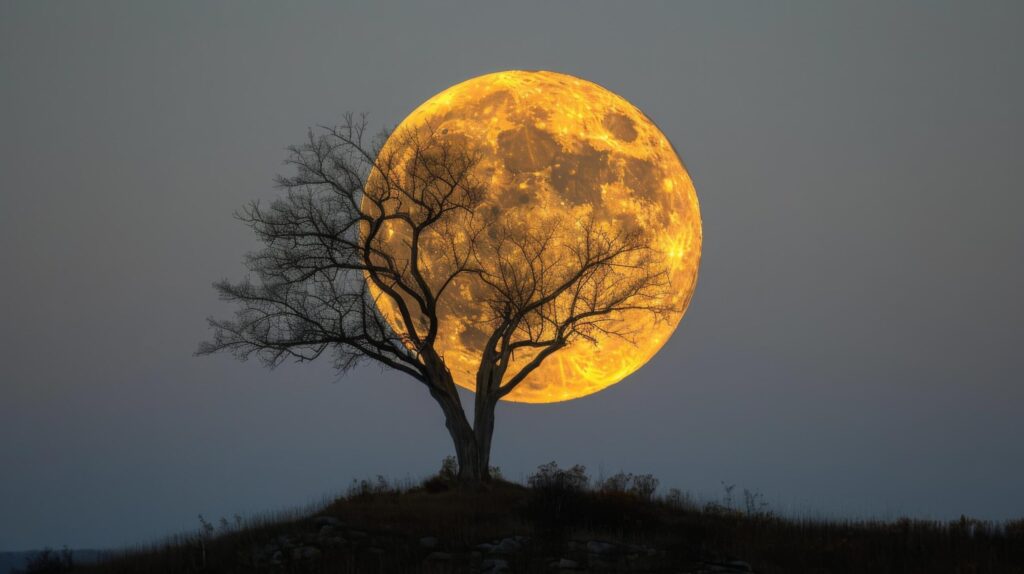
[(364, 249)]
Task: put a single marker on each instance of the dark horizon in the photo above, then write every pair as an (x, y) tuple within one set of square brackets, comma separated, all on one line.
[(851, 349)]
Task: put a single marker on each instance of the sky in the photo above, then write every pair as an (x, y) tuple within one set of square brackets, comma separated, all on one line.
[(852, 348)]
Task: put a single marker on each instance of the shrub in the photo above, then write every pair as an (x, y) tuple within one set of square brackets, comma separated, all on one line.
[(49, 561), (449, 469), (755, 503), (643, 486), (557, 495), (366, 488), (495, 472), (550, 477), (445, 478), (680, 500), (617, 483)]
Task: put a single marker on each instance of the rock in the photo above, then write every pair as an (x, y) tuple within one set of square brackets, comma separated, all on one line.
[(326, 530), (727, 567), (357, 534), (567, 564), (375, 550), (485, 547), (428, 542), (439, 556), (305, 553), (508, 546), (278, 557), (495, 566), (326, 521), (599, 547)]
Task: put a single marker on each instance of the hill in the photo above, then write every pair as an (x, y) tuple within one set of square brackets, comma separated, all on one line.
[(559, 522)]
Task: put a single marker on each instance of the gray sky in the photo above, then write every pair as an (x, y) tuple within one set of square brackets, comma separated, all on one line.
[(853, 347)]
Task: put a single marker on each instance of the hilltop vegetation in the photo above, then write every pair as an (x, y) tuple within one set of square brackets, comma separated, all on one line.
[(562, 521)]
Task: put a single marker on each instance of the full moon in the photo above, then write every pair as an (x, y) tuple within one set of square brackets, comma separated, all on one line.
[(557, 146)]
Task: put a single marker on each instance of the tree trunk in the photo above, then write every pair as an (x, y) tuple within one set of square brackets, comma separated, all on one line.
[(473, 454), (468, 455), (483, 430)]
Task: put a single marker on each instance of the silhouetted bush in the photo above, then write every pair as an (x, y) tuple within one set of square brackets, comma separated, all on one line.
[(550, 477), (679, 500), (557, 495), (617, 483), (1015, 529), (445, 478), (641, 486), (49, 561), (644, 486)]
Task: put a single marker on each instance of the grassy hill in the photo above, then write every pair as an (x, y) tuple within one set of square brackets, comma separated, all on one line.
[(559, 522)]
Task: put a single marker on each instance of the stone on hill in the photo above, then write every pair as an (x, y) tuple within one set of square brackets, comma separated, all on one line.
[(495, 566), (567, 564), (599, 547), (508, 546), (305, 553)]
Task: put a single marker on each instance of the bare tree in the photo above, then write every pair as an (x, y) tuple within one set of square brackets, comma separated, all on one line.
[(365, 227)]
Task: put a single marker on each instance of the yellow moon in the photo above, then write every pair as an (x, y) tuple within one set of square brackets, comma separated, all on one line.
[(557, 145)]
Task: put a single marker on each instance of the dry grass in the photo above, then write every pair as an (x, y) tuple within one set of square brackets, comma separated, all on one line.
[(385, 523)]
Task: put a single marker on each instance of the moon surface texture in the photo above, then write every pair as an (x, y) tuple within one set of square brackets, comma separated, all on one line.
[(557, 146)]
